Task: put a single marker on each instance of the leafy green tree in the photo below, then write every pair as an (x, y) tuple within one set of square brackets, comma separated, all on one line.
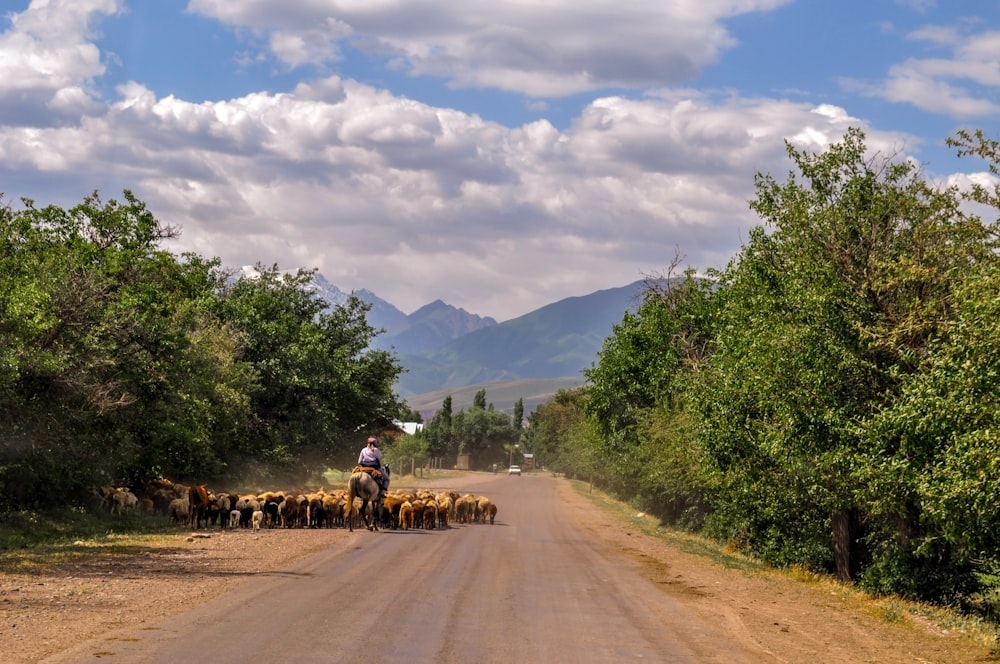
[(484, 433), (408, 414), (932, 472), (566, 440), (441, 441), (407, 453), (549, 426), (98, 324), (318, 379), (930, 475), (819, 319), (120, 362), (642, 365)]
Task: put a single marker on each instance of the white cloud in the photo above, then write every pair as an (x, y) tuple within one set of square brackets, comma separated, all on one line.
[(415, 201), (962, 86), (385, 193), (540, 49), (311, 45), (47, 59), (927, 85)]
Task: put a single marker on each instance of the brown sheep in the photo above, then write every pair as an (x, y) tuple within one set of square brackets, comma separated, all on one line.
[(334, 508), (391, 505), (418, 513), (430, 515), (406, 515), (445, 509), (491, 512), (482, 504), (464, 508)]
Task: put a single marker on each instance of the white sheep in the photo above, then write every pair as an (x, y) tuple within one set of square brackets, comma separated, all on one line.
[(257, 519), (178, 510), (123, 500), (234, 519)]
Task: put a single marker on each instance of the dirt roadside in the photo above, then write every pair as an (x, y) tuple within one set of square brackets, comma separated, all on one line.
[(49, 605), (797, 618)]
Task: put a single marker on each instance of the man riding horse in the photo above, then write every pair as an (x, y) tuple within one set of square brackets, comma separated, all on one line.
[(371, 457)]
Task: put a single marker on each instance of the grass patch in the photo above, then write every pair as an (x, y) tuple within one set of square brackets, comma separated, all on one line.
[(59, 528), (684, 541)]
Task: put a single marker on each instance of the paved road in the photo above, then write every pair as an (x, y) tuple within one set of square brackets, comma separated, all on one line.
[(531, 588)]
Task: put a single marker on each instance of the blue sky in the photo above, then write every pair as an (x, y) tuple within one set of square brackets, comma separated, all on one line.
[(500, 156)]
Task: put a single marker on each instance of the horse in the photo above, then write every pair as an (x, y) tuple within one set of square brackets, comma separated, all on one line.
[(362, 485)]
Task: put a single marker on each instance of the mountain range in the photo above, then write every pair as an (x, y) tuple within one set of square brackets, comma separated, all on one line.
[(447, 351)]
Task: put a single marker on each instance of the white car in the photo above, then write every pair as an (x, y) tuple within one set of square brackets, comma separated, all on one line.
[(514, 470)]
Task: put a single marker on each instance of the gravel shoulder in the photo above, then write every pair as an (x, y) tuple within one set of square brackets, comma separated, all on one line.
[(51, 603)]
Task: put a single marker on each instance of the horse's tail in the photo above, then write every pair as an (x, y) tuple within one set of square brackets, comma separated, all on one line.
[(352, 492)]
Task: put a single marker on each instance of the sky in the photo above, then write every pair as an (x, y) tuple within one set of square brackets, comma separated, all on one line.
[(498, 155)]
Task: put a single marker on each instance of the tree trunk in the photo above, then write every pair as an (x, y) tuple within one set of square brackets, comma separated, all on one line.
[(846, 529)]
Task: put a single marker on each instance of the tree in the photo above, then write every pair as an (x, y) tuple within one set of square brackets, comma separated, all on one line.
[(407, 452), (120, 362), (483, 434), (441, 441), (102, 330), (818, 321), (548, 433), (318, 379), (642, 365), (408, 414)]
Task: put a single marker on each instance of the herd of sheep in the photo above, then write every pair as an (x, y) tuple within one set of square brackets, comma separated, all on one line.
[(194, 506)]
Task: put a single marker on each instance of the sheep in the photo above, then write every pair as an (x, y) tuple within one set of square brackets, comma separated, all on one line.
[(334, 510), (292, 512), (390, 509), (464, 508), (452, 513), (223, 506), (178, 510), (161, 501), (271, 512), (314, 508), (430, 514), (123, 500), (418, 513), (480, 511), (247, 506), (317, 513), (445, 509), (406, 515), (104, 496), (352, 512)]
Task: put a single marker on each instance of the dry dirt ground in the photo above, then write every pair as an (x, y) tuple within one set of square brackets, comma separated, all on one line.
[(48, 605)]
